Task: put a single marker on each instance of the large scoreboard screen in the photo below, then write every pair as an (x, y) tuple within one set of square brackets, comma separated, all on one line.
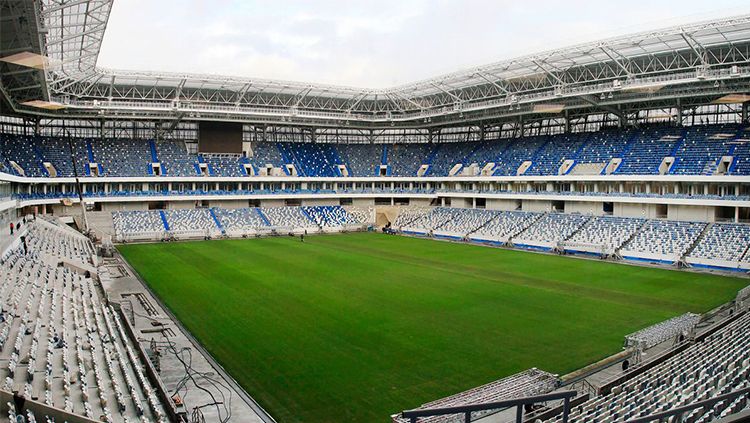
[(220, 137)]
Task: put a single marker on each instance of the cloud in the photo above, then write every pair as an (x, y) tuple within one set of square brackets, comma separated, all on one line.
[(368, 43)]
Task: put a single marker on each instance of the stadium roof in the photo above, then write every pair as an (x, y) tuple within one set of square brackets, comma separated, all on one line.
[(695, 63)]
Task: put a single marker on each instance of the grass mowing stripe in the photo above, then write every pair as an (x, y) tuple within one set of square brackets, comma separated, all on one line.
[(384, 323)]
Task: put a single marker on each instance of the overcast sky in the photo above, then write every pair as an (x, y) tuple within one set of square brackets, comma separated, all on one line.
[(378, 43)]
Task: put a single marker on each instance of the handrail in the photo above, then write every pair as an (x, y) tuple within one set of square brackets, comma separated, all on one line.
[(466, 410), (679, 411)]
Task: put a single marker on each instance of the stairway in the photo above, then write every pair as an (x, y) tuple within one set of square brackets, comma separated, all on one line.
[(263, 216), (630, 238), (154, 155), (745, 254), (164, 222), (695, 243), (517, 234), (216, 220), (589, 220), (492, 219)]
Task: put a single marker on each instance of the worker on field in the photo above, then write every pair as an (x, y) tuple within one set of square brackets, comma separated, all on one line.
[(302, 237)]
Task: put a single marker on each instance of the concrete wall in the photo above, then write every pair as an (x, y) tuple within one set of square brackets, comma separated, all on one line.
[(634, 210), (462, 203), (385, 214), (536, 206), (272, 203), (61, 210), (419, 202), (595, 209), (500, 204), (321, 202), (228, 204), (180, 205), (691, 213), (129, 206), (363, 202)]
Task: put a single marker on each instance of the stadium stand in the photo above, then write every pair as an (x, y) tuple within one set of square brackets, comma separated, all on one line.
[(240, 220), (360, 215), (697, 151), (551, 229), (464, 222), (409, 215), (719, 245), (716, 365), (436, 218), (504, 226), (361, 159), (723, 245), (189, 220), (175, 159), (663, 240), (332, 216), (406, 159), (288, 217), (660, 332), (137, 222), (61, 342), (604, 234), (527, 383)]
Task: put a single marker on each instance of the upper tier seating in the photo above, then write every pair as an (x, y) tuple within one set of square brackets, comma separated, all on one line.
[(123, 157), (406, 159), (697, 151), (515, 152), (646, 150), (601, 147), (266, 153), (311, 159), (224, 166), (447, 155), (361, 159), (552, 155), (702, 150), (175, 159)]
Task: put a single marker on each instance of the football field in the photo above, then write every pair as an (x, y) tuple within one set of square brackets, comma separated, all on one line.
[(358, 326)]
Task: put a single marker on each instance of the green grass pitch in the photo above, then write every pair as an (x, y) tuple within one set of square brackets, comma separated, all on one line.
[(356, 327)]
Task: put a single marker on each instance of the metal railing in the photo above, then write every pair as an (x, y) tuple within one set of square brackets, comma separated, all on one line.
[(679, 411), (466, 410)]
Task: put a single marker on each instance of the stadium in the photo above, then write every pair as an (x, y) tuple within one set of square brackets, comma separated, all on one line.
[(560, 236)]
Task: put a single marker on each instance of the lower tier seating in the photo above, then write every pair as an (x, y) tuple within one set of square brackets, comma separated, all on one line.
[(60, 343), (717, 365)]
